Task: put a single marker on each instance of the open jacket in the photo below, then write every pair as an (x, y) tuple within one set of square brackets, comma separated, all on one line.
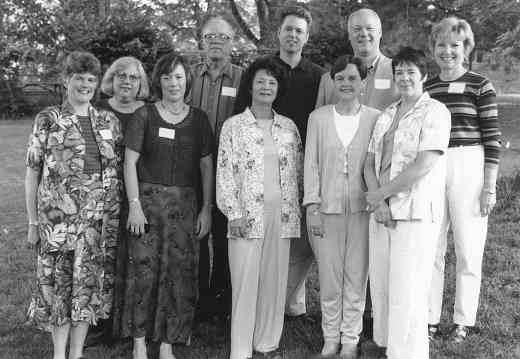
[(56, 150), (240, 172), (324, 181)]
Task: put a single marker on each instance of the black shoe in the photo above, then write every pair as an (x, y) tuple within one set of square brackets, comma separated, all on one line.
[(100, 334), (275, 354), (434, 332)]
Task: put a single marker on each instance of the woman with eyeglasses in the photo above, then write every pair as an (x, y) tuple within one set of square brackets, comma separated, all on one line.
[(126, 83), (168, 153)]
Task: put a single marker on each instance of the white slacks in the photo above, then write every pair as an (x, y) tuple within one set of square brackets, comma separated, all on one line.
[(400, 267), (258, 280), (300, 262), (342, 256), (464, 181)]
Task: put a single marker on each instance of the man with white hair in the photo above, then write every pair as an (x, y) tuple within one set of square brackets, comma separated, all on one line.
[(214, 90), (364, 33)]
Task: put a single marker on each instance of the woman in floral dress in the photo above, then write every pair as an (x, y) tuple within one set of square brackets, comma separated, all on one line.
[(72, 196)]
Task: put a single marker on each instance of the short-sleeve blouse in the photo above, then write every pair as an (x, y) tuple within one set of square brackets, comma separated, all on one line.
[(169, 153)]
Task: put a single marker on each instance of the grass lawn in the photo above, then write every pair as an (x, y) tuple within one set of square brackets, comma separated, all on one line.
[(498, 318)]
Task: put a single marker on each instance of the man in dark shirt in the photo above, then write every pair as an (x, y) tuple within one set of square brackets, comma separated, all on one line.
[(215, 83), (300, 89)]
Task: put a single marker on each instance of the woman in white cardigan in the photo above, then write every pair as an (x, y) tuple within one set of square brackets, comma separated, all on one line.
[(336, 148)]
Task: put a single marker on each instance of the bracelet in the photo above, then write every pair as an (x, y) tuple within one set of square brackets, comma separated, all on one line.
[(489, 191), (34, 223), (133, 200)]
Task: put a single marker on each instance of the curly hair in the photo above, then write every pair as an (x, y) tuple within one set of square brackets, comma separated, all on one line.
[(81, 62)]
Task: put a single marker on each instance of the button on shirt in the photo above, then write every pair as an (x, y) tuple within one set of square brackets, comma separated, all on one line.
[(300, 89), (215, 97)]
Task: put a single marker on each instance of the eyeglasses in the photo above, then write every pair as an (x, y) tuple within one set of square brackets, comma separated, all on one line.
[(123, 76), (213, 36)]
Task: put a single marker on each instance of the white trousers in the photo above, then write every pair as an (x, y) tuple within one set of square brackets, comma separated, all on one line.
[(258, 280), (342, 256), (400, 266), (300, 262), (464, 181)]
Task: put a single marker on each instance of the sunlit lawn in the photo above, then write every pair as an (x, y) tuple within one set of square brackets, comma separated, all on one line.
[(498, 319)]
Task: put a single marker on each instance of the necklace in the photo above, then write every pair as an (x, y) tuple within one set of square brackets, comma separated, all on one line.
[(174, 113)]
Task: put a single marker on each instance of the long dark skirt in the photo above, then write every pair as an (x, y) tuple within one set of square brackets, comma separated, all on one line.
[(160, 289)]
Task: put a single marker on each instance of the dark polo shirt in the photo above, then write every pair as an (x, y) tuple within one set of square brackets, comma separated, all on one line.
[(216, 98), (301, 85)]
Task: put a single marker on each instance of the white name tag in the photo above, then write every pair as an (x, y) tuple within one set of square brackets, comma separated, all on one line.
[(457, 87), (382, 84), (229, 91), (106, 134), (166, 133)]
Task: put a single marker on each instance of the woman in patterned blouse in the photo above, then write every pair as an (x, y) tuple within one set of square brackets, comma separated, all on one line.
[(259, 187), (473, 157), (72, 193), (405, 174)]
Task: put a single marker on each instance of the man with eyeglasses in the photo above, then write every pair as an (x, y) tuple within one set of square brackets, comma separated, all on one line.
[(214, 90)]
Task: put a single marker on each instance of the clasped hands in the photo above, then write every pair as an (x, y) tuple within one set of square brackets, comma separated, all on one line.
[(376, 203)]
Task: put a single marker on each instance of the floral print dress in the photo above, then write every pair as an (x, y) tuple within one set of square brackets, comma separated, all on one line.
[(78, 216)]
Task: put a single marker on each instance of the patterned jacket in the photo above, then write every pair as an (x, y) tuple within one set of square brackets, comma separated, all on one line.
[(240, 172), (426, 127), (56, 150)]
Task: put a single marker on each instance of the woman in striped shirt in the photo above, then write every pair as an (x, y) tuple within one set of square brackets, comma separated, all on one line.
[(473, 157)]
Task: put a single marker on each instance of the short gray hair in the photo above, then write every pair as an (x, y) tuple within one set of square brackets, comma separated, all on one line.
[(366, 10)]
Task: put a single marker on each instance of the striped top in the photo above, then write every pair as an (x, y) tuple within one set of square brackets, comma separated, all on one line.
[(92, 155), (471, 100)]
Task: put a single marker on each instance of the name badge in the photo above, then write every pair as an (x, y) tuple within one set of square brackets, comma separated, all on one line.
[(457, 87), (382, 84), (106, 134), (229, 91), (166, 133)]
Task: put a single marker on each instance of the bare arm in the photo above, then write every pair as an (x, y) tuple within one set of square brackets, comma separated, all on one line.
[(136, 218), (32, 180), (204, 217), (405, 180), (369, 172)]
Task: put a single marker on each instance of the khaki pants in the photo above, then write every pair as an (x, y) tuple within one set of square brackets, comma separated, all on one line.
[(342, 256), (259, 281)]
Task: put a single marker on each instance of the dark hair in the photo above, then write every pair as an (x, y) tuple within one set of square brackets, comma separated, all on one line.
[(298, 11), (80, 62), (341, 63), (271, 67), (409, 55), (166, 64)]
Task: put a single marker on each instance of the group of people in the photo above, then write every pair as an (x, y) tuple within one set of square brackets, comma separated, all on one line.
[(216, 197)]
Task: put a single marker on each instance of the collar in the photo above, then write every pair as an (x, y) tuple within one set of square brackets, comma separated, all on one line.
[(373, 66), (226, 70), (425, 97), (249, 119), (68, 110), (303, 64)]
